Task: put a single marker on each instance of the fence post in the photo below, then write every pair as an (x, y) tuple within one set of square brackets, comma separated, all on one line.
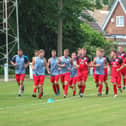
[(6, 72), (30, 71)]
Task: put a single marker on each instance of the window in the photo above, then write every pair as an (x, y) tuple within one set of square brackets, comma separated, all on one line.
[(120, 21)]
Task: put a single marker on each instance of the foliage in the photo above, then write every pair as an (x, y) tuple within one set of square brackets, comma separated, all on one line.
[(98, 4), (38, 21), (93, 40)]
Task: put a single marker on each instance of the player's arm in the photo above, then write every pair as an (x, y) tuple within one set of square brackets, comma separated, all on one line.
[(76, 65), (46, 65), (59, 63), (94, 63), (26, 60), (33, 63), (13, 60), (69, 68), (122, 65)]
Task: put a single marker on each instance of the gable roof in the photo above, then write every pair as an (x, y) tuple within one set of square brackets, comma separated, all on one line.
[(122, 3), (91, 23)]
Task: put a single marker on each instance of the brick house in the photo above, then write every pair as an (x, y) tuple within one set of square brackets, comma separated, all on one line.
[(114, 26)]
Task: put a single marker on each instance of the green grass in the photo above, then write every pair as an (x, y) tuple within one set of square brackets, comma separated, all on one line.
[(73, 111)]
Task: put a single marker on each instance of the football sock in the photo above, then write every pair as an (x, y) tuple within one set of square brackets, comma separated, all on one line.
[(58, 88), (40, 95), (114, 89), (119, 86), (79, 87), (74, 92), (107, 88), (34, 90), (124, 82), (100, 89), (54, 88), (63, 86), (82, 89), (65, 89)]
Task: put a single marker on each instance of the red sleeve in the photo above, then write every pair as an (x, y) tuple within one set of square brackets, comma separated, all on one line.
[(124, 61)]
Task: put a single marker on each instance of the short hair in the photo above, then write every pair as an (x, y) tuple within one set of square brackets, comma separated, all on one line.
[(66, 50), (73, 52), (98, 49), (113, 50), (41, 51), (20, 50), (78, 49), (53, 50), (102, 50), (36, 51)]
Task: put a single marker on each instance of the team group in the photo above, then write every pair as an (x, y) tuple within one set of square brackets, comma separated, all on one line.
[(72, 70)]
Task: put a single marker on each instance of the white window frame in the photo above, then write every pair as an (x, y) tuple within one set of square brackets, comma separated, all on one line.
[(120, 21)]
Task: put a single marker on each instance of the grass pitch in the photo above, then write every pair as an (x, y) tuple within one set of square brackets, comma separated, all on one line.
[(72, 111)]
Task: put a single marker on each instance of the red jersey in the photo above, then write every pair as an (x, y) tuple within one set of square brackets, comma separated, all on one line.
[(121, 55), (83, 63), (115, 64)]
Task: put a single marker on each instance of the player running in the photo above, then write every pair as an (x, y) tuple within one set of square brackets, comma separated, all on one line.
[(99, 64), (83, 64), (105, 71), (36, 54), (115, 64), (54, 72), (121, 54), (20, 62), (65, 65), (39, 65), (73, 73)]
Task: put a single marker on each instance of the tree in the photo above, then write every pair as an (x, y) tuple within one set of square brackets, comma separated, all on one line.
[(94, 40)]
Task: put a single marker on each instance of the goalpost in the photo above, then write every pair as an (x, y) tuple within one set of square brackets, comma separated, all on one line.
[(8, 8)]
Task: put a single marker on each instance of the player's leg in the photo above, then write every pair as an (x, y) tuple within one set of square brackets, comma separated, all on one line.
[(40, 90), (115, 89), (56, 80), (52, 79), (18, 79), (70, 83), (22, 77), (79, 82), (41, 82), (36, 85), (18, 82), (118, 81), (83, 85), (74, 80), (105, 82), (66, 78), (107, 87), (123, 72), (62, 80), (96, 80), (113, 81), (21, 80), (100, 80)]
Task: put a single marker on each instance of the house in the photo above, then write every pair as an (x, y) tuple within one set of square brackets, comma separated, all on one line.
[(91, 23), (114, 26), (98, 17)]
